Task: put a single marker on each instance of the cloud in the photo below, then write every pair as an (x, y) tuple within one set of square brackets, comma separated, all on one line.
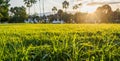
[(97, 2), (101, 3), (114, 2)]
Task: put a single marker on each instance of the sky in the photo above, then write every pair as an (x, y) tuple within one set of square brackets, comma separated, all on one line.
[(48, 5), (58, 3)]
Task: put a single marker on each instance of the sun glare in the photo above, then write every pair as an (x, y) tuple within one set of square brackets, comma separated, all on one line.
[(88, 9)]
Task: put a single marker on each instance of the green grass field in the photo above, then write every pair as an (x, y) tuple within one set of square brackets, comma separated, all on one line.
[(59, 42)]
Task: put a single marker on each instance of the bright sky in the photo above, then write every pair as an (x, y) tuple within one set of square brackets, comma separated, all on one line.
[(48, 5), (58, 3)]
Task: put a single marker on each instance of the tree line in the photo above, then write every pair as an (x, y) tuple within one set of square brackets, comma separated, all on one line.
[(103, 14)]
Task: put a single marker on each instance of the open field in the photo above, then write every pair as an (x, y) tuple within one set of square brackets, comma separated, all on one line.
[(59, 42)]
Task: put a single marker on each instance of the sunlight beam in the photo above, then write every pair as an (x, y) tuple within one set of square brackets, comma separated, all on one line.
[(88, 9)]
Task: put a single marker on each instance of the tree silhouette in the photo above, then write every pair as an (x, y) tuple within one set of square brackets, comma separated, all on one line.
[(104, 13), (4, 8), (54, 9), (39, 8), (60, 13), (75, 7), (19, 14), (43, 8), (29, 3), (65, 5)]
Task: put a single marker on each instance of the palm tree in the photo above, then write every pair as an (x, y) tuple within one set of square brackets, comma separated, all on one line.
[(33, 2), (29, 3), (43, 9), (75, 7), (34, 9), (65, 5), (54, 9), (39, 8), (80, 4)]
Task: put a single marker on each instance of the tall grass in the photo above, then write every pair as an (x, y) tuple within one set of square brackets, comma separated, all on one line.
[(56, 42)]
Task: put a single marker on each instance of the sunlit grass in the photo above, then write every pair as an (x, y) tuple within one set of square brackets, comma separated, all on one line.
[(59, 42)]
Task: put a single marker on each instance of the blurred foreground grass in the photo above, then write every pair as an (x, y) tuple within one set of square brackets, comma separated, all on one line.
[(59, 42)]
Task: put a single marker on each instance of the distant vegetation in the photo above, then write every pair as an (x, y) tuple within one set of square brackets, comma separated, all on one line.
[(103, 14), (54, 42)]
